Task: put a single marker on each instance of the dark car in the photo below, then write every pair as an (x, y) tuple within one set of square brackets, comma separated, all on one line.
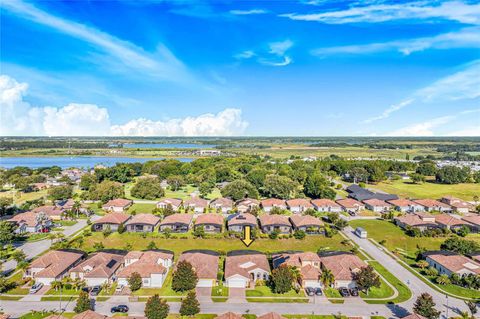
[(119, 308), (318, 292), (310, 291), (354, 292), (344, 292), (95, 290)]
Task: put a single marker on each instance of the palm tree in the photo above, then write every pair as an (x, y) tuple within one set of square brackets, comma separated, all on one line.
[(327, 277), (443, 280), (422, 264), (296, 274), (76, 208), (56, 284)]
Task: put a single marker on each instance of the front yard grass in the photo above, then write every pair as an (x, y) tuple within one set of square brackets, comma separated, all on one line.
[(264, 291), (404, 292), (384, 291), (219, 293), (165, 291)]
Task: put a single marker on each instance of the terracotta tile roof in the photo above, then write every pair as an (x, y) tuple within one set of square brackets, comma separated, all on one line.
[(215, 219), (55, 317), (247, 202), (229, 315), (299, 202), (4, 316), (269, 202), (149, 256), (113, 218), (431, 203), (196, 202), (222, 202), (302, 261), (455, 263), (349, 203), (376, 202), (305, 220), (55, 263), (148, 219), (414, 316), (241, 219), (119, 202), (271, 315), (89, 314), (99, 265), (205, 264), (146, 265), (324, 202), (413, 220), (177, 219), (51, 211), (475, 219), (172, 201), (242, 264), (266, 220), (343, 265), (447, 220), (28, 218), (402, 202), (456, 202)]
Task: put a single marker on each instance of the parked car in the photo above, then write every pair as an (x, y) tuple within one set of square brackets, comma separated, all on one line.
[(318, 292), (119, 308), (354, 292), (119, 288), (310, 291), (35, 288), (95, 290), (344, 292)]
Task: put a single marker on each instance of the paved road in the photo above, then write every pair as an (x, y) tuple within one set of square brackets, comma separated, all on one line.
[(416, 285)]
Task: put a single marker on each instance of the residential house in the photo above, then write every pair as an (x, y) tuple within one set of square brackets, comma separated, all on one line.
[(197, 204), (98, 269), (174, 203), (225, 205), (110, 220), (307, 223), (351, 205), (457, 205), (448, 263), (177, 223), (269, 203), (53, 266), (433, 205), (326, 205), (142, 223), (474, 222), (448, 221), (377, 205), (238, 222), (361, 194), (298, 205), (54, 212), (118, 205), (406, 206), (280, 223), (271, 315), (414, 316), (211, 223), (343, 266), (307, 263), (243, 269), (422, 221), (246, 205), (205, 264), (229, 315), (30, 222), (89, 314), (152, 266)]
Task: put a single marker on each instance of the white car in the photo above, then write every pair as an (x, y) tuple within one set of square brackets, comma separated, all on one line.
[(35, 288), (119, 288)]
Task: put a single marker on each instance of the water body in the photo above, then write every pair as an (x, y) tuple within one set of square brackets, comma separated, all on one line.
[(78, 161), (172, 145)]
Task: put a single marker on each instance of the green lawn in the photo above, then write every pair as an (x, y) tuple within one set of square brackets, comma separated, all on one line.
[(331, 293), (404, 292), (17, 279), (66, 222), (20, 197), (63, 292), (219, 293), (429, 190), (384, 291), (141, 208), (264, 291), (314, 316), (166, 290), (182, 193)]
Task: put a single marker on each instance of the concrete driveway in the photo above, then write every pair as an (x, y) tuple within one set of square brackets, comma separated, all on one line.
[(204, 294), (236, 295)]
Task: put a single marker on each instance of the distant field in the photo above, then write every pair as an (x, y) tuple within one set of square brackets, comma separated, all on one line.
[(20, 197), (429, 190), (182, 193)]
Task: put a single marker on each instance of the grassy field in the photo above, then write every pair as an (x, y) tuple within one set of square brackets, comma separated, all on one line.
[(20, 197), (182, 193), (405, 188)]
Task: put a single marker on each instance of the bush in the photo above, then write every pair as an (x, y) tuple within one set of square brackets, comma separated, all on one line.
[(299, 234), (274, 234)]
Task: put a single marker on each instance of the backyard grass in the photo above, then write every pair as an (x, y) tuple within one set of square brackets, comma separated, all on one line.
[(141, 208)]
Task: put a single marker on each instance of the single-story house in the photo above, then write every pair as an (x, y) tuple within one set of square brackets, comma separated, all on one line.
[(229, 315), (30, 222), (151, 265), (246, 205), (406, 205), (280, 223), (118, 205), (414, 316), (242, 270), (422, 221), (205, 264), (458, 205), (53, 266), (351, 205), (307, 223), (326, 205), (343, 266), (271, 315), (197, 204), (474, 222), (238, 222), (298, 205), (211, 223), (450, 222), (269, 203), (142, 223), (449, 263), (89, 314), (307, 263), (54, 212), (433, 205), (174, 203), (98, 269), (177, 223), (112, 220), (223, 204), (361, 194), (377, 205)]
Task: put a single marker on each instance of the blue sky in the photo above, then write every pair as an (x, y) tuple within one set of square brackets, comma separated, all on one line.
[(240, 68)]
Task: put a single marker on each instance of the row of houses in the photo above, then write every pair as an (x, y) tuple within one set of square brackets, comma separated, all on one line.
[(242, 269), (449, 263), (210, 222), (425, 221)]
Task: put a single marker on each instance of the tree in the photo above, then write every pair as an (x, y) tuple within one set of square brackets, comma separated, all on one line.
[(5, 203), (317, 186), (422, 264), (443, 280), (135, 281), (175, 182), (425, 306), (60, 192), (88, 181), (279, 186), (148, 188), (299, 234), (151, 245), (472, 306), (83, 303), (199, 232), (156, 308), (426, 169), (452, 175), (282, 279), (327, 277), (239, 189), (19, 256), (257, 177), (366, 278), (205, 188), (460, 245), (7, 233), (106, 191), (190, 305), (417, 178), (184, 278)]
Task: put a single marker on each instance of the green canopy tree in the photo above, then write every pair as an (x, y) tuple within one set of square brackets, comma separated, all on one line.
[(184, 278), (367, 278), (239, 189), (425, 306), (135, 281), (83, 303), (156, 308), (282, 279), (190, 305)]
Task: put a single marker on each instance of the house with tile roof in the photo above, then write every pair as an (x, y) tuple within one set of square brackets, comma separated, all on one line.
[(211, 223), (377, 205), (229, 315), (308, 224), (142, 223), (414, 316), (406, 205), (53, 266), (237, 222), (351, 205), (448, 221), (197, 204), (326, 205), (110, 221), (447, 263), (98, 269), (30, 222), (421, 221), (343, 266), (431, 205), (54, 212), (174, 203), (118, 205), (177, 223), (307, 263), (222, 204), (89, 314), (246, 205), (280, 223), (152, 265), (474, 221), (243, 269), (205, 264), (271, 315), (269, 203), (298, 205), (457, 205)]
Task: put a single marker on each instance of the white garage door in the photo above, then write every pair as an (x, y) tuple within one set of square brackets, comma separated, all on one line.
[(236, 283), (312, 284), (205, 283)]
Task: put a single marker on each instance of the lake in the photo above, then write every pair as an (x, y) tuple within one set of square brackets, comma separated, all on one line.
[(171, 145), (77, 161)]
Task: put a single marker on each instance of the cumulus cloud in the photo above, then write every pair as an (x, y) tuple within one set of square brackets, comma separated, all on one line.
[(421, 129), (19, 118)]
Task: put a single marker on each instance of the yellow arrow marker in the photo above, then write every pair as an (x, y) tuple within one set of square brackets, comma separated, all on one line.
[(247, 236)]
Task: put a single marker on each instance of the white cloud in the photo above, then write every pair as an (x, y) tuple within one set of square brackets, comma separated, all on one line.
[(245, 54), (468, 13), (279, 48), (19, 118), (276, 55), (421, 129), (390, 110), (468, 131), (248, 12)]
